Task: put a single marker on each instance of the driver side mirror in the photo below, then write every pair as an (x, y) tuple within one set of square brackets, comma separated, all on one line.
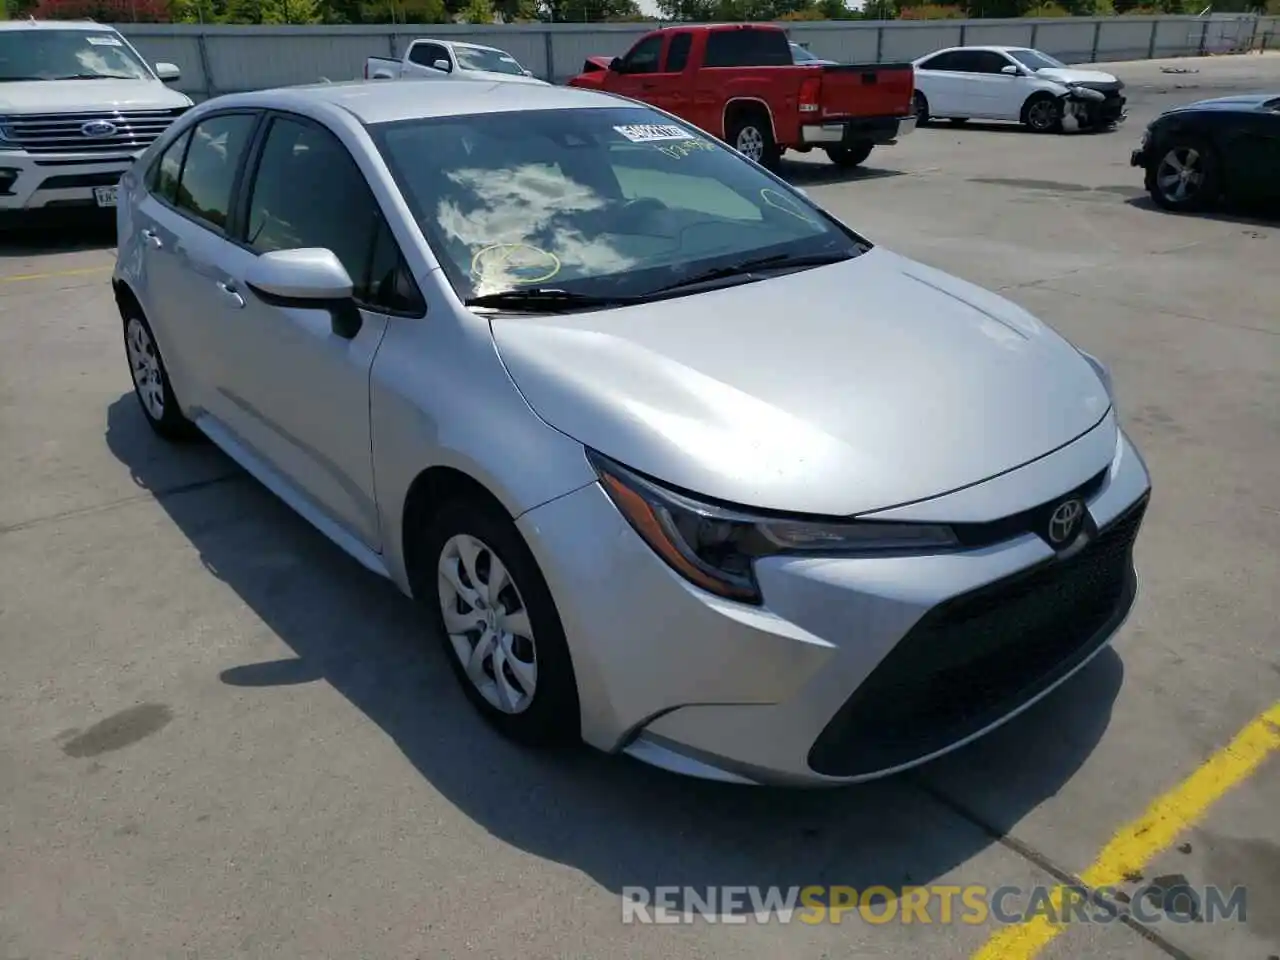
[(168, 72), (443, 66), (309, 278), (617, 64), (1011, 70)]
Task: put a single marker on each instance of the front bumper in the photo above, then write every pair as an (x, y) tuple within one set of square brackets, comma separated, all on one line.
[(58, 181), (854, 668), (849, 131), (1139, 158)]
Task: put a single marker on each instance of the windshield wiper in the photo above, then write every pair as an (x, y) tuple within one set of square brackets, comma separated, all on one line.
[(747, 267), (544, 299), (95, 76)]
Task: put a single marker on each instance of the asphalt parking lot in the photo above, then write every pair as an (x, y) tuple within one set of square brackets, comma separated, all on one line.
[(221, 737)]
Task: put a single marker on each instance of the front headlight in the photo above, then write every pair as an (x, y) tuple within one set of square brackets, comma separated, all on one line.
[(715, 547)]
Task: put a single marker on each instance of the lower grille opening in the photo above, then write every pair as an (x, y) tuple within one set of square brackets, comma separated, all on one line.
[(976, 657)]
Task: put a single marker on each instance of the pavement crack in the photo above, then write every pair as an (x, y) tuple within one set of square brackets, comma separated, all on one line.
[(158, 495), (1044, 862)]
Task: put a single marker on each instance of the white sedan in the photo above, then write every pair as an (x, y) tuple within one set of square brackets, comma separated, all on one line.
[(1015, 83)]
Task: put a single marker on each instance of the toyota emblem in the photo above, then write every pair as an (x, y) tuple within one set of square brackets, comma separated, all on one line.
[(1064, 522), (98, 129)]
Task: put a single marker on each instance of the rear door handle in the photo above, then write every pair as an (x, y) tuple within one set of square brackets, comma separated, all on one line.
[(229, 294), (152, 239)]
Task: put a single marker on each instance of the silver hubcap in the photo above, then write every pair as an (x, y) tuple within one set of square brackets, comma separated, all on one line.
[(488, 625), (1040, 115), (751, 143), (144, 364), (1180, 174)]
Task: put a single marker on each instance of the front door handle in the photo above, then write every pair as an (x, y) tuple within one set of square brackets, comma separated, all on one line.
[(229, 294), (152, 239)]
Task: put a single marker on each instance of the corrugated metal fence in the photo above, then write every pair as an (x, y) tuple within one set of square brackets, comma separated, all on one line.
[(224, 59)]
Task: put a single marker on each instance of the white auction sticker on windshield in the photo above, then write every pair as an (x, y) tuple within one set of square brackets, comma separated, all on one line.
[(651, 132), (104, 41)]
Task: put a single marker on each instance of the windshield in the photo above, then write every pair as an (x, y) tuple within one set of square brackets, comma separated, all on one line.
[(67, 55), (1035, 60), (494, 61), (606, 202)]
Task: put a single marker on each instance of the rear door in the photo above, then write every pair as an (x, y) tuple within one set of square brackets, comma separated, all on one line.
[(941, 81), (184, 223), (740, 62)]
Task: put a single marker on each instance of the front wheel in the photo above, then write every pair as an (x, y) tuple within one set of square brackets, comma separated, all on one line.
[(1185, 177), (493, 611), (1043, 113), (849, 157)]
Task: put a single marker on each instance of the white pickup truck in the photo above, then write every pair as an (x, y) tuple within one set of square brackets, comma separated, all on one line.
[(77, 105), (437, 59)]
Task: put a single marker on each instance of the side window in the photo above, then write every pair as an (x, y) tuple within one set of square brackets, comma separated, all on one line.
[(163, 181), (426, 54), (308, 192), (966, 61), (643, 57), (988, 61), (748, 47), (678, 52), (943, 61), (209, 172)]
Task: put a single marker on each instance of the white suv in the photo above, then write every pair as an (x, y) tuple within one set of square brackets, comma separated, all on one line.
[(77, 105)]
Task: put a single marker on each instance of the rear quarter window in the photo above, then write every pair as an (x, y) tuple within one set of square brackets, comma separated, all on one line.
[(748, 47)]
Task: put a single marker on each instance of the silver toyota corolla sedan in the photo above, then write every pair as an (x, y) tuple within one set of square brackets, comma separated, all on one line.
[(676, 462)]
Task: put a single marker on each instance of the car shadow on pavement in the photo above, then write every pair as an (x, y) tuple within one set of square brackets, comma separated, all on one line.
[(59, 232), (1261, 216), (807, 174), (621, 823)]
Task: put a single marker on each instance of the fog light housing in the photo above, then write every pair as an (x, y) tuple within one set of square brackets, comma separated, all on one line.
[(8, 177)]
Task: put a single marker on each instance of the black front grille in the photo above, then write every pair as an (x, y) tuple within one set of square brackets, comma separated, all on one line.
[(67, 181), (976, 657), (130, 131)]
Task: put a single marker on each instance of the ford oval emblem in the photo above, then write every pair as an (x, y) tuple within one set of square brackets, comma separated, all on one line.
[(98, 129)]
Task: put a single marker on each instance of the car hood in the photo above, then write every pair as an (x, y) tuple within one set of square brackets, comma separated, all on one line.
[(838, 390), (74, 96), (1068, 75)]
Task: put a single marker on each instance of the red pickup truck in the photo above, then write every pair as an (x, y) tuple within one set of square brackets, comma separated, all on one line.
[(740, 83)]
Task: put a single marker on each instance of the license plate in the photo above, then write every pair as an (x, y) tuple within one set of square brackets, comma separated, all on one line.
[(105, 196)]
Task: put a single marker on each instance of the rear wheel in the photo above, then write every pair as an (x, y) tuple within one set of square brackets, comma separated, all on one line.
[(1184, 177), (151, 380), (849, 157), (920, 104), (751, 135)]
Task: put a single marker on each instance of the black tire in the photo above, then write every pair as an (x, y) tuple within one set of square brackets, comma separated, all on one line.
[(151, 385), (1042, 113), (1203, 162), (849, 157), (920, 103), (753, 130), (551, 716)]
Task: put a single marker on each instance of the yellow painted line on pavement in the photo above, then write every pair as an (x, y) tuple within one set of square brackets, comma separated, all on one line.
[(1137, 843), (52, 274)]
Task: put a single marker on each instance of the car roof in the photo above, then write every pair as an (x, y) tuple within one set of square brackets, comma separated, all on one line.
[(986, 48), (386, 101), (86, 25)]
